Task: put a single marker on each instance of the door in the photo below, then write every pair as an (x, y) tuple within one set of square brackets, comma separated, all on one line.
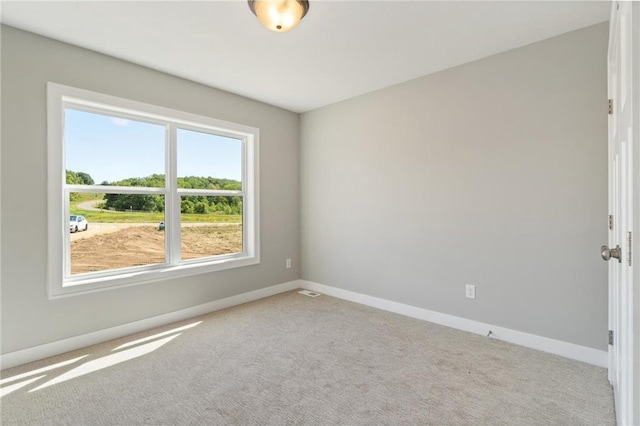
[(621, 252)]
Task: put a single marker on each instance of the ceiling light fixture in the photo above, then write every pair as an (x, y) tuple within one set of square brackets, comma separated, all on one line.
[(279, 15)]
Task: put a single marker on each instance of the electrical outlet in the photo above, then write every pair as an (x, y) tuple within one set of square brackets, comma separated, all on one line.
[(471, 291), (288, 263)]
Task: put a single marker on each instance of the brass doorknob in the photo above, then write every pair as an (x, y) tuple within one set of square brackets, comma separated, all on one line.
[(608, 253)]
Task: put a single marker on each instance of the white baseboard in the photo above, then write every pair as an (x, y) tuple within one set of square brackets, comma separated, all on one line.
[(35, 353), (556, 347)]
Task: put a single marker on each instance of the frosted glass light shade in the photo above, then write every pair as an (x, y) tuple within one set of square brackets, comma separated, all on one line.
[(279, 15)]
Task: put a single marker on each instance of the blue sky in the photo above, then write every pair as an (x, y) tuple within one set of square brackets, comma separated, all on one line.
[(111, 149)]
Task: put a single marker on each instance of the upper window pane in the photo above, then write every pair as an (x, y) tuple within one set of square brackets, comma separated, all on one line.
[(112, 150), (207, 161)]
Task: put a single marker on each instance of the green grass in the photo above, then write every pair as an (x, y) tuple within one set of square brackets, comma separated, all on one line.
[(108, 216)]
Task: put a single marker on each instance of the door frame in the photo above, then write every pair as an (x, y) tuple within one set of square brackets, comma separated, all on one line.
[(624, 354)]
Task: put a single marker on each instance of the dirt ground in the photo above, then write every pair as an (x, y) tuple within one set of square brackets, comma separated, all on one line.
[(112, 245)]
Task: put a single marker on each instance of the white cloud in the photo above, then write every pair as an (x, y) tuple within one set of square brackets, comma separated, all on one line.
[(120, 121)]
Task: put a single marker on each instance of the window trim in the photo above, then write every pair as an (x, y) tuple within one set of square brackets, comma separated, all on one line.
[(59, 284)]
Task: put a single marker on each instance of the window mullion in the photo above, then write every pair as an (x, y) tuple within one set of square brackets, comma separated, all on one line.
[(106, 189), (65, 230), (211, 192), (245, 211), (172, 210)]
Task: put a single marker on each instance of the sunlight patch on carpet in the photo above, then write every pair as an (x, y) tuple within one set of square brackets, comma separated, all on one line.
[(41, 370), (12, 388), (155, 336), (107, 361)]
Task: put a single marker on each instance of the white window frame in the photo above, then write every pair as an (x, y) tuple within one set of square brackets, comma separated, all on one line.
[(60, 282)]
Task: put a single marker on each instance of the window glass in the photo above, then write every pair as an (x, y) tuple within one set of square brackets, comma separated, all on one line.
[(207, 161), (103, 149), (210, 226), (114, 238)]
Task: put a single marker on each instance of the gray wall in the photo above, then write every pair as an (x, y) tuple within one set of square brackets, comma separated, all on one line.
[(493, 173), (28, 318)]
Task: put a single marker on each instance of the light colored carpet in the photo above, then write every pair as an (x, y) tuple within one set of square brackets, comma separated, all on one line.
[(292, 359)]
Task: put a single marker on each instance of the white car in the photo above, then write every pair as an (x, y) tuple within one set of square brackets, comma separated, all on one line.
[(78, 223)]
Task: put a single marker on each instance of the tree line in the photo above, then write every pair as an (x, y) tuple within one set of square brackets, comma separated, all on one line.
[(198, 204)]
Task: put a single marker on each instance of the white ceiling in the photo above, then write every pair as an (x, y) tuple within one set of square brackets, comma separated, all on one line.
[(341, 48)]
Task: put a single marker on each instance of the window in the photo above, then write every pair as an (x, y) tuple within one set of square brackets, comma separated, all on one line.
[(140, 193)]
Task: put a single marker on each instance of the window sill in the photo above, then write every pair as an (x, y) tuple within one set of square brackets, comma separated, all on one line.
[(150, 274)]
